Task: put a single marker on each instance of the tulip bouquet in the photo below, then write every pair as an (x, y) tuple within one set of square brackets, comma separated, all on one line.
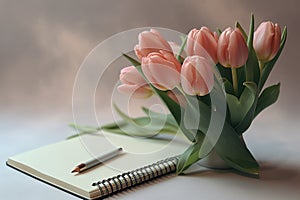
[(213, 87)]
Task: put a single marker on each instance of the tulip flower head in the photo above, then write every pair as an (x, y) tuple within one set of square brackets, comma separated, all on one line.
[(197, 77), (266, 41), (203, 43), (151, 41), (162, 70), (232, 48), (133, 83)]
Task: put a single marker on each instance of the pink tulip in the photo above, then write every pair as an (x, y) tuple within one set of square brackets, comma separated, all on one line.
[(133, 83), (162, 70), (151, 41), (202, 42), (266, 41), (232, 48), (197, 77)]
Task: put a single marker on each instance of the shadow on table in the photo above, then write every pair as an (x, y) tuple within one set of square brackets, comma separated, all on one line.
[(274, 172), (271, 174)]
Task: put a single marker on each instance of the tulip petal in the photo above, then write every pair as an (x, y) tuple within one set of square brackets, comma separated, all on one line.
[(130, 75), (166, 77), (133, 83), (162, 70), (135, 91), (151, 41)]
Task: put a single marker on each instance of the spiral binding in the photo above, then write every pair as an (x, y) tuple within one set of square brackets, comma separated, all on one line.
[(136, 177)]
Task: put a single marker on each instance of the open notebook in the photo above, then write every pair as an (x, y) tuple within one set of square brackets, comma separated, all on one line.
[(142, 160)]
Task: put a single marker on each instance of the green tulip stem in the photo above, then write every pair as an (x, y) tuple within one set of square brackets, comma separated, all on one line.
[(261, 66), (234, 80), (179, 88)]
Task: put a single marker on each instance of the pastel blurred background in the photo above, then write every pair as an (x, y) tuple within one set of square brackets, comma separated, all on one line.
[(43, 43)]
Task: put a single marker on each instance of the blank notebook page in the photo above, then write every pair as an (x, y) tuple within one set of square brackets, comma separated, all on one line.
[(53, 163)]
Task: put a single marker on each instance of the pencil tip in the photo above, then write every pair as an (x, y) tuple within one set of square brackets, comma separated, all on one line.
[(120, 149), (77, 169)]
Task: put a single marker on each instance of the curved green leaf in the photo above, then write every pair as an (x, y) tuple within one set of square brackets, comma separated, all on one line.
[(234, 152), (238, 108), (190, 156), (251, 99), (246, 122), (228, 86), (176, 111), (267, 98), (168, 117), (144, 126)]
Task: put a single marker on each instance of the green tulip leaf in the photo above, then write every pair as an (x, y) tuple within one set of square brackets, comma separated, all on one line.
[(113, 125), (252, 66), (177, 113), (225, 72), (82, 130), (267, 98), (190, 156), (241, 79), (238, 25), (179, 57), (246, 121), (130, 129), (149, 126), (168, 117), (234, 152), (269, 65), (133, 61), (228, 86), (238, 108)]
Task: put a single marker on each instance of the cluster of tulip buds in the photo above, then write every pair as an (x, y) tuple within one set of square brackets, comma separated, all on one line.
[(204, 49)]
